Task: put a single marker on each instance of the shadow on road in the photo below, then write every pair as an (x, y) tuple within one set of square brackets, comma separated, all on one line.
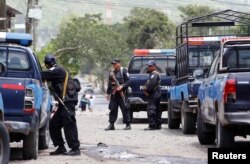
[(141, 121)]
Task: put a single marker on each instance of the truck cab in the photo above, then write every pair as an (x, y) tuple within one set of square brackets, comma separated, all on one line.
[(26, 97), (165, 59)]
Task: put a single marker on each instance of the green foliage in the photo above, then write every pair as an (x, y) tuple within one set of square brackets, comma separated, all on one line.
[(88, 45), (148, 28), (193, 11)]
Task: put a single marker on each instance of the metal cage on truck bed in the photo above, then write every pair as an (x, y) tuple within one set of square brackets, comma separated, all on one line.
[(198, 39)]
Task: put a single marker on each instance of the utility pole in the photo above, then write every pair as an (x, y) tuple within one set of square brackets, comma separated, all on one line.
[(3, 18), (28, 21), (31, 23)]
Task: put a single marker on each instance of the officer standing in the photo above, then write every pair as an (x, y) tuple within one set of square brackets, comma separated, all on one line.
[(64, 117), (118, 82), (152, 91)]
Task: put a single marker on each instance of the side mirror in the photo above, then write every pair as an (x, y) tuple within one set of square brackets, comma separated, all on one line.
[(2, 68)]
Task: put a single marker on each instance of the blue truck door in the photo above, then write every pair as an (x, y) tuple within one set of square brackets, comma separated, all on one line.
[(13, 91)]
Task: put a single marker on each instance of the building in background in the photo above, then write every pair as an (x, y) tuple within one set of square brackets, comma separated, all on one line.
[(6, 18)]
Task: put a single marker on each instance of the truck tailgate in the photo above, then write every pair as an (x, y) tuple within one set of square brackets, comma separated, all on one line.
[(139, 80), (243, 91)]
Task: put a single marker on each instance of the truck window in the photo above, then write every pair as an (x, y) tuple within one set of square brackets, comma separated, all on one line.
[(17, 58), (3, 54), (205, 58), (138, 65), (237, 58)]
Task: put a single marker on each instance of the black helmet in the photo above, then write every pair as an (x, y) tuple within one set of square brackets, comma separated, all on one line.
[(50, 59)]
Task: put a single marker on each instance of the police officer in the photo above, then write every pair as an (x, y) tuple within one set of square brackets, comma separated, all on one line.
[(64, 117), (153, 93), (117, 85)]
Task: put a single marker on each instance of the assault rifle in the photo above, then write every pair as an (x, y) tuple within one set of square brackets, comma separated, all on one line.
[(58, 98), (117, 84)]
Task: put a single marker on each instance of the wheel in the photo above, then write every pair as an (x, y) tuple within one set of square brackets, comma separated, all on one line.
[(44, 138), (4, 145), (205, 138), (224, 135), (172, 123), (30, 145), (187, 120)]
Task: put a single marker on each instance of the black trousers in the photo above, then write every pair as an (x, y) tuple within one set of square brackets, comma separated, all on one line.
[(115, 102), (66, 120), (154, 112)]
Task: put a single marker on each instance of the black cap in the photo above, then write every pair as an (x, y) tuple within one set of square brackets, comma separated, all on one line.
[(151, 62), (116, 60)]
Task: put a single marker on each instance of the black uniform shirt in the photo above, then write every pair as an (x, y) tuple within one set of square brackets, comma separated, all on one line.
[(152, 86), (56, 75), (122, 76)]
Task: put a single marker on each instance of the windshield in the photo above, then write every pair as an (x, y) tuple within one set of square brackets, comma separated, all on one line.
[(138, 64)]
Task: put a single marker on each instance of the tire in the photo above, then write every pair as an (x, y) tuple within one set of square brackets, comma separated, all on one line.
[(4, 145), (205, 138), (224, 136), (30, 145), (44, 139), (188, 121), (172, 123)]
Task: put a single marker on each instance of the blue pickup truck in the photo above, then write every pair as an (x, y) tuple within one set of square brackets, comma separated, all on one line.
[(192, 61), (223, 97), (4, 136), (165, 59), (26, 98)]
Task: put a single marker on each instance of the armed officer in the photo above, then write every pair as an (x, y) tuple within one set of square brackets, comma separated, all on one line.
[(64, 117), (152, 91), (118, 82)]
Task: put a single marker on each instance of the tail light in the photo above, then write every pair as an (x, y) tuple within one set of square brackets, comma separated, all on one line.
[(230, 91), (29, 101)]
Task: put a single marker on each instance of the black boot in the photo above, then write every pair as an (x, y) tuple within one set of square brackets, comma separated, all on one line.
[(60, 150), (73, 152), (128, 127), (158, 127), (110, 127), (150, 127)]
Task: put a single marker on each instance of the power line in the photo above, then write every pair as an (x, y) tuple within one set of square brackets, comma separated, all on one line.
[(114, 4), (231, 3)]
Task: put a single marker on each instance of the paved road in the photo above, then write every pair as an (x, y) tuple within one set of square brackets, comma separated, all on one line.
[(135, 146)]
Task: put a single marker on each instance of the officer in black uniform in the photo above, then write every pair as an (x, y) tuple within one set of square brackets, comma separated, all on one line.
[(152, 91), (64, 117), (116, 92)]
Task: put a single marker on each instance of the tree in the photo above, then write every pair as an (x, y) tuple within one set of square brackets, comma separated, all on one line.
[(193, 11), (148, 28), (86, 44)]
